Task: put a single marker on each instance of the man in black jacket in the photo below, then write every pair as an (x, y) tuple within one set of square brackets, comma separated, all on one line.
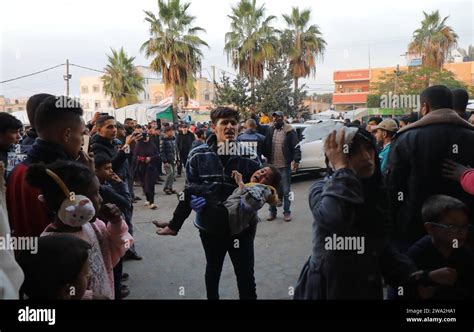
[(184, 141), (281, 151), (416, 158), (102, 144)]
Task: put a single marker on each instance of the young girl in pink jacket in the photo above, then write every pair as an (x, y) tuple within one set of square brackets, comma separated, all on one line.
[(71, 192)]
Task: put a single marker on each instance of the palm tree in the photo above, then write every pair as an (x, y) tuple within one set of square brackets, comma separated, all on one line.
[(433, 40), (305, 44), (175, 48), (122, 81), (252, 42)]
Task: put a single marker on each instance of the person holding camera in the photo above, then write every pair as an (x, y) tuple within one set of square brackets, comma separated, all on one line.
[(146, 157)]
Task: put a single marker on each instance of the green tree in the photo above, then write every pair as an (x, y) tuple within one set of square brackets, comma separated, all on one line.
[(415, 80), (234, 93), (252, 43), (122, 81), (275, 93), (304, 43), (433, 40), (373, 101), (175, 48)]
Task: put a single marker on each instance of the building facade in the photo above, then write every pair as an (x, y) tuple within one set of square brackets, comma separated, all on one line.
[(205, 94), (93, 97), (353, 86), (13, 104)]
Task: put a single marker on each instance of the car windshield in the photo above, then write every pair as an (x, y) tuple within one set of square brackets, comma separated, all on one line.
[(319, 131)]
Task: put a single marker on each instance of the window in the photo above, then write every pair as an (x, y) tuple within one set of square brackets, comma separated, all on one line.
[(86, 105), (207, 97), (109, 104), (84, 89), (97, 104), (96, 89)]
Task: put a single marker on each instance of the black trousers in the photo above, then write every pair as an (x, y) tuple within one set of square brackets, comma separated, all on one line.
[(241, 252), (118, 279), (183, 157)]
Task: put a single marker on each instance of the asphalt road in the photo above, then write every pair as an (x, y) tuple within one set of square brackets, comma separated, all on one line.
[(173, 267)]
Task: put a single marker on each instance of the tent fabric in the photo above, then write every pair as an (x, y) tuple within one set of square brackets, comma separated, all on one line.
[(22, 116)]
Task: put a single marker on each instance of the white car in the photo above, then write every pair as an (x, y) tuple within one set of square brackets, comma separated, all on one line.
[(311, 144)]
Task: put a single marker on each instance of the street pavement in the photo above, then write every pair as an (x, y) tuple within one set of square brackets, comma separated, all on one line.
[(173, 267)]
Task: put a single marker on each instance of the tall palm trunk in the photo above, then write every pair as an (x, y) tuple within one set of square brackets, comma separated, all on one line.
[(175, 105)]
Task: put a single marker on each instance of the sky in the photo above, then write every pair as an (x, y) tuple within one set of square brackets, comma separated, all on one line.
[(36, 35)]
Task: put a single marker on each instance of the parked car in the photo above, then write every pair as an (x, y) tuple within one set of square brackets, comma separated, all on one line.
[(311, 144)]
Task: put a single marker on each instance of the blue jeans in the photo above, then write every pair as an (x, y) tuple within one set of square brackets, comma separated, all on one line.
[(284, 190)]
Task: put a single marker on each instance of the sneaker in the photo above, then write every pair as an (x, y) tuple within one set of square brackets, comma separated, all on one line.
[(279, 203), (147, 204), (125, 277), (287, 217), (153, 207), (271, 216)]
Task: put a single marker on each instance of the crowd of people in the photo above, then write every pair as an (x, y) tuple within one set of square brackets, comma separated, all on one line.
[(403, 186)]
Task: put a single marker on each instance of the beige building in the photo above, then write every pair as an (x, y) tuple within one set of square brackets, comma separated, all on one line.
[(315, 107), (92, 93), (13, 104), (203, 100)]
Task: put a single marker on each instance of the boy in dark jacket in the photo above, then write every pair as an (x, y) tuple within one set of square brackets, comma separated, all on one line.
[(113, 190), (168, 157), (446, 221)]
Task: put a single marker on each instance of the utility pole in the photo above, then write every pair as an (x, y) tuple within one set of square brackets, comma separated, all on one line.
[(213, 74), (397, 75), (214, 81), (67, 77)]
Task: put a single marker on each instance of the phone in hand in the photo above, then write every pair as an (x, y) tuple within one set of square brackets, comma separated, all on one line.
[(85, 143)]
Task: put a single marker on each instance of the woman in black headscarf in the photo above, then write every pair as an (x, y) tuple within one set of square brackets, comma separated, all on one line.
[(351, 251)]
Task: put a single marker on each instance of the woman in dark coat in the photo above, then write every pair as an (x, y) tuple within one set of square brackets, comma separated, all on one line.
[(351, 251), (146, 159)]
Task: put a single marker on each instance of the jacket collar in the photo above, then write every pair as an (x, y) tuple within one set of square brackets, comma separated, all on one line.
[(46, 152), (442, 115), (286, 127), (101, 140)]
